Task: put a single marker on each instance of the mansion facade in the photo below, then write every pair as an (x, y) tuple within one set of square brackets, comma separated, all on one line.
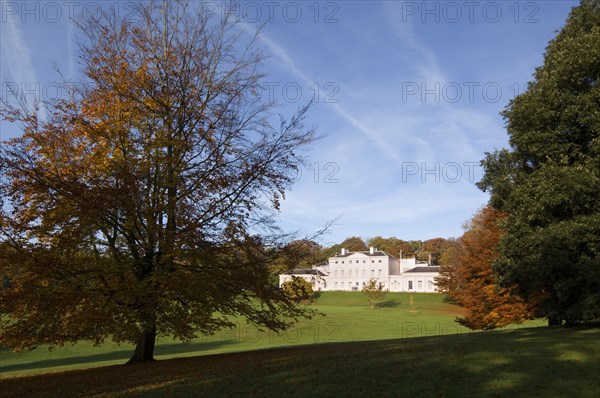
[(350, 271)]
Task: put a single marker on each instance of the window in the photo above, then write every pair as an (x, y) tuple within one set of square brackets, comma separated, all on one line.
[(379, 260), (379, 273), (336, 285), (364, 283), (409, 285), (372, 261), (356, 283), (336, 261), (342, 274), (364, 261), (336, 273), (342, 285), (419, 285), (429, 285), (364, 273), (342, 261)]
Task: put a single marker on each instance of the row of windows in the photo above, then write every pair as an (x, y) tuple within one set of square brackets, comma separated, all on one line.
[(357, 261), (350, 284), (420, 285), (356, 273), (394, 285)]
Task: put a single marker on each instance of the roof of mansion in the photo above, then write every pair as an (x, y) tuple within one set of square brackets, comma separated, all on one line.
[(366, 253), (431, 268), (303, 271)]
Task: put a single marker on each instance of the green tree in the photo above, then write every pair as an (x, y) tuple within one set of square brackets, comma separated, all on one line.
[(549, 181), (298, 290), (392, 246), (127, 212), (374, 292), (300, 253), (354, 244)]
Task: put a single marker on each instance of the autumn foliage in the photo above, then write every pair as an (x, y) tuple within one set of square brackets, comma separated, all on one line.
[(131, 210), (471, 282)]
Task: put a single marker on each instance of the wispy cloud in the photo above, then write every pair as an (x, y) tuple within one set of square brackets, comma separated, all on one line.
[(361, 126), (17, 60), (17, 55)]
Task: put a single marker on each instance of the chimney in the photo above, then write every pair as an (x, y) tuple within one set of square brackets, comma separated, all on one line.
[(343, 251), (429, 259), (372, 250)]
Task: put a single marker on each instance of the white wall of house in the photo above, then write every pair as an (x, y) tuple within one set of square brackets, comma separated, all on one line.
[(350, 271), (420, 282)]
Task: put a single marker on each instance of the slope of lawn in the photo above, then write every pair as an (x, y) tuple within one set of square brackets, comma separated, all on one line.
[(532, 362), (348, 317)]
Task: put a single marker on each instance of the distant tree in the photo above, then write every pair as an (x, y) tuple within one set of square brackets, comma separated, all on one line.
[(435, 247), (354, 244), (471, 281), (301, 253), (374, 292), (451, 252), (392, 246), (331, 251), (298, 290), (128, 213), (549, 181)]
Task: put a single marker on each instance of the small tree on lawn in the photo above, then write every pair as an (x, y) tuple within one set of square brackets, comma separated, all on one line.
[(374, 292), (411, 303)]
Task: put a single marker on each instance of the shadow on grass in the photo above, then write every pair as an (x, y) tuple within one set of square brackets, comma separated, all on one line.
[(125, 354), (389, 304), (545, 362)]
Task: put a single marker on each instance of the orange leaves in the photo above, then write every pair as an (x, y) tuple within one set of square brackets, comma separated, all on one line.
[(472, 283), (137, 195)]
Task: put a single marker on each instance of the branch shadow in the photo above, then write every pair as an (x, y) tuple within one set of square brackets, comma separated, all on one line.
[(161, 349)]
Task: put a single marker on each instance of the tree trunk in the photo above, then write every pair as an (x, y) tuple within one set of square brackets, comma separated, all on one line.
[(144, 348)]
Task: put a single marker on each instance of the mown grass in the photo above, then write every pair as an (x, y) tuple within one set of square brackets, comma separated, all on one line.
[(348, 318), (531, 362)]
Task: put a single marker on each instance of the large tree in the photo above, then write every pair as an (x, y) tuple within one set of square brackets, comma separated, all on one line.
[(549, 180), (132, 210)]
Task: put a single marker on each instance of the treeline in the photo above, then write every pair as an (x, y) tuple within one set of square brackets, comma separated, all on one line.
[(305, 253)]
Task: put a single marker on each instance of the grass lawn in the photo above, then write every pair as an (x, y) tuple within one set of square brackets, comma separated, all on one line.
[(388, 351), (348, 317), (532, 362)]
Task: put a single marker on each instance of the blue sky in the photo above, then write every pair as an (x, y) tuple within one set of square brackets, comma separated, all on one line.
[(407, 97)]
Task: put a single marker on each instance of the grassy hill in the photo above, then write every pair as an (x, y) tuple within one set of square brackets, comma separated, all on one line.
[(353, 350), (532, 362), (348, 317)]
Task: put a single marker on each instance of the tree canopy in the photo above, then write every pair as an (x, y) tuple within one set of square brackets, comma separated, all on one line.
[(548, 182), (133, 209)]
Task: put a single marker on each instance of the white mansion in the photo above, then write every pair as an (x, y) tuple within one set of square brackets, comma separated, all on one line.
[(350, 271)]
